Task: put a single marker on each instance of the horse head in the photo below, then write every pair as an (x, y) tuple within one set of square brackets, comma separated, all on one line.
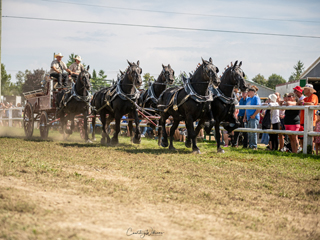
[(84, 78), (167, 74), (134, 73), (210, 72), (238, 76)]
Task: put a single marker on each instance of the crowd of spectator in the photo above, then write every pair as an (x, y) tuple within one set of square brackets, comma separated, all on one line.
[(4, 113), (292, 120)]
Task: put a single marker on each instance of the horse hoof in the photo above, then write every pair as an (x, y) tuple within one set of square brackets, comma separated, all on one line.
[(114, 142), (164, 144), (136, 140), (88, 141), (197, 151), (220, 150), (172, 148), (94, 139), (188, 144)]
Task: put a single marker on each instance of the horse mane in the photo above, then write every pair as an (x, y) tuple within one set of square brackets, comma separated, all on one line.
[(225, 73)]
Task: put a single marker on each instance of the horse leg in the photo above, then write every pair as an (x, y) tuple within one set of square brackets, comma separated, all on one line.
[(103, 122), (217, 137), (114, 139), (164, 140), (192, 134), (198, 128), (159, 131), (72, 124), (62, 122), (130, 126), (172, 131), (94, 127), (137, 136), (86, 137), (108, 121)]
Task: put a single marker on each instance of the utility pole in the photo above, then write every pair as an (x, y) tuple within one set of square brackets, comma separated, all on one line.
[(0, 43)]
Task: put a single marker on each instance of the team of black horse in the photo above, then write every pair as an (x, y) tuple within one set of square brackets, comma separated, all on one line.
[(204, 98)]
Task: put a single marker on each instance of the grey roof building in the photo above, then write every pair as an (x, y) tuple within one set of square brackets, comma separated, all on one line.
[(263, 91)]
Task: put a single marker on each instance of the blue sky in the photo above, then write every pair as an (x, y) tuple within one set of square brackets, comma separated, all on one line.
[(30, 44)]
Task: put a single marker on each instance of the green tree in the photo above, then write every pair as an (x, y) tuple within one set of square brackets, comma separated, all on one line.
[(260, 80), (274, 80), (33, 80), (21, 79), (98, 82), (94, 74), (299, 67), (146, 79), (101, 75), (178, 81), (5, 81)]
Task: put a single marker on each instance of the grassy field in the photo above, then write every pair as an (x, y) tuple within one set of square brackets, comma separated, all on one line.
[(58, 189)]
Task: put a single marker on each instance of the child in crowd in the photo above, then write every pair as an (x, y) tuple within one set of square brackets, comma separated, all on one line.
[(317, 129)]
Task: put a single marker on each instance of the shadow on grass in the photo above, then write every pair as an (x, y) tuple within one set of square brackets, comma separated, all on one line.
[(156, 151), (79, 145)]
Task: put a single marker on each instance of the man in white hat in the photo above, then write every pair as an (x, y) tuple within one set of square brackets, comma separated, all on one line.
[(76, 67), (310, 99), (56, 70)]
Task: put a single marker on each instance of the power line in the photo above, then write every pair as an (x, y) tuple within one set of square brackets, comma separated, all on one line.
[(163, 27), (185, 13)]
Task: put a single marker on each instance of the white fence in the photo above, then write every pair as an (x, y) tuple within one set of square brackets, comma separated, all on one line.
[(4, 117), (307, 134)]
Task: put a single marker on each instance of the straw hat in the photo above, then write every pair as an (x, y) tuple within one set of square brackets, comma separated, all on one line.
[(310, 87), (273, 97), (78, 58), (58, 55)]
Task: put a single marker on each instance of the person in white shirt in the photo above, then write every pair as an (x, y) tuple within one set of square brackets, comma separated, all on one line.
[(76, 67), (275, 121), (56, 70)]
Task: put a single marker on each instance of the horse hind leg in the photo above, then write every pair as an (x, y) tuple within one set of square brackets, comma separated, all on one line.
[(137, 136), (93, 136), (192, 135), (164, 137), (114, 139), (172, 131), (86, 127), (103, 122), (217, 137)]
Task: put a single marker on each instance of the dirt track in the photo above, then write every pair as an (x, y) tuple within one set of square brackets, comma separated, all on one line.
[(102, 218)]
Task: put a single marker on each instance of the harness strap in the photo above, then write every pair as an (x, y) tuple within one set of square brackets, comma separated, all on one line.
[(176, 105)]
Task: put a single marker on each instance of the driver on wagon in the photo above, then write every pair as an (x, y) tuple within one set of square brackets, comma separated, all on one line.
[(56, 70), (76, 67)]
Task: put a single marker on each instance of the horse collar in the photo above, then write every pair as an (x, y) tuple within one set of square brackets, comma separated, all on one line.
[(125, 96), (194, 95)]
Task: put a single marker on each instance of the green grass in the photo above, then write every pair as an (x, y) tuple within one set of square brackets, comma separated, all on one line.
[(254, 192)]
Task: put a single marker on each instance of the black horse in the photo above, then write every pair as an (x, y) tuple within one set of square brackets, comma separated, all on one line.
[(73, 102), (149, 98), (117, 101), (223, 105), (187, 103)]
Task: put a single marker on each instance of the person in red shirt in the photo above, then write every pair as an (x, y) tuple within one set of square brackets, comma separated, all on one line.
[(310, 99)]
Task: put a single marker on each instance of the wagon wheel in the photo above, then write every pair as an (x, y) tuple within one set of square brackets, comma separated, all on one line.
[(28, 120), (44, 128)]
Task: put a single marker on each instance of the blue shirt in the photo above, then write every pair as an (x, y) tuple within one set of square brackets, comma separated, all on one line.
[(253, 101), (242, 111)]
